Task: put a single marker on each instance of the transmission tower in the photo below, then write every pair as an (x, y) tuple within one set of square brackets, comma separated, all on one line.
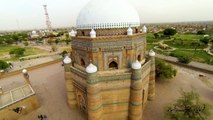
[(48, 23)]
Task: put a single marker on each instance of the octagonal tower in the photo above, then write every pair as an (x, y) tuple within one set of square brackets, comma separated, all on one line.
[(109, 76)]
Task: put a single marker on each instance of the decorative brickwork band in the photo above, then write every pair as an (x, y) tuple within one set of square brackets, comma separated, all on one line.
[(151, 94), (135, 105), (70, 87), (94, 99)]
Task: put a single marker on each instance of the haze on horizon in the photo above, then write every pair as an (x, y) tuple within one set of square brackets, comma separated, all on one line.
[(29, 14)]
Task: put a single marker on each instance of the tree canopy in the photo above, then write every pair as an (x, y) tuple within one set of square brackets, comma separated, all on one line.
[(17, 52), (169, 32), (3, 65), (184, 59), (205, 40), (188, 107), (164, 70)]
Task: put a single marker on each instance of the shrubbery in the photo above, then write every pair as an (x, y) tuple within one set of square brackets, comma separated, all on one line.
[(64, 53), (164, 70), (205, 40), (184, 59), (169, 32), (3, 65), (188, 107), (17, 52)]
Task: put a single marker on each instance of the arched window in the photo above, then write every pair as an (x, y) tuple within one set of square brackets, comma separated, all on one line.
[(83, 34), (113, 65), (82, 62), (139, 58)]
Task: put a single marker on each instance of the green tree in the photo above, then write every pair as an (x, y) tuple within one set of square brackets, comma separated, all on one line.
[(64, 53), (156, 35), (205, 40), (164, 70), (17, 52), (3, 65), (169, 32), (201, 32), (188, 107)]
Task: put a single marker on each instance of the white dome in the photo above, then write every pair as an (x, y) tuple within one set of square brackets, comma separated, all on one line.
[(151, 53), (136, 65), (91, 68), (103, 14), (67, 60)]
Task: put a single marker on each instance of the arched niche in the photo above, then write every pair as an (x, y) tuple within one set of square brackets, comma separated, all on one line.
[(113, 65), (82, 62), (139, 58)]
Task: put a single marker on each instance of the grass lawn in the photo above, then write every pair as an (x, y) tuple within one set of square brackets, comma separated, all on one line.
[(151, 38), (4, 51), (186, 44), (150, 46), (188, 36), (199, 55)]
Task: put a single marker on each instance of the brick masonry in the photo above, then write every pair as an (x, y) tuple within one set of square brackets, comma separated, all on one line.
[(111, 93)]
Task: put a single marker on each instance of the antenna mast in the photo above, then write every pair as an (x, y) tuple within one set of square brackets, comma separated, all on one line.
[(48, 23)]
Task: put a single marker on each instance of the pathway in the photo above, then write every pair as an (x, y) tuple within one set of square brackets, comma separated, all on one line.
[(193, 63)]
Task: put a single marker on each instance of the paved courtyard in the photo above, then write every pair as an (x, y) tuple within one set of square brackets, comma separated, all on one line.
[(49, 84)]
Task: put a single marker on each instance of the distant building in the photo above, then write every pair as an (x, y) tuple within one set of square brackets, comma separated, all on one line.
[(108, 75), (34, 35)]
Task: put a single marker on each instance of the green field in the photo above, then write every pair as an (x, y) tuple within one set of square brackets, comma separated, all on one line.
[(185, 44), (199, 55), (4, 51)]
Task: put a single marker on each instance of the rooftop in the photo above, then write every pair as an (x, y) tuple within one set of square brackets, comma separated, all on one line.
[(15, 95)]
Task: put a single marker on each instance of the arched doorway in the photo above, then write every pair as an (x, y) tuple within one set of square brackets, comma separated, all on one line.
[(82, 62), (113, 65)]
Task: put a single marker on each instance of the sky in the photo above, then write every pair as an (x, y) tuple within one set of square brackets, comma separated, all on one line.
[(29, 14)]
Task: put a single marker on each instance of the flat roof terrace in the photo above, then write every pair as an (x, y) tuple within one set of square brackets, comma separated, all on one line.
[(15, 95)]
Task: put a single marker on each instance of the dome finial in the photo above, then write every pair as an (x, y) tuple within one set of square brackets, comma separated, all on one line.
[(91, 68), (67, 60), (72, 33), (151, 53), (93, 33), (144, 29), (129, 31), (136, 65)]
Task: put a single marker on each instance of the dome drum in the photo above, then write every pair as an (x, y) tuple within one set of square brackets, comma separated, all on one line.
[(107, 32)]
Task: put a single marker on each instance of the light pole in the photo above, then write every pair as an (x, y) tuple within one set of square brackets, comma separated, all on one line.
[(26, 76)]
